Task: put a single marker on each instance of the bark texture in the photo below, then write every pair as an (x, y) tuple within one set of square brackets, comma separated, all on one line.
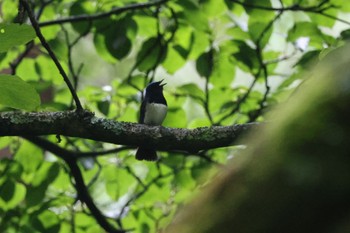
[(84, 124)]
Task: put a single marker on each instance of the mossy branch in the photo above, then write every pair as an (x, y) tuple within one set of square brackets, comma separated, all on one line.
[(86, 125)]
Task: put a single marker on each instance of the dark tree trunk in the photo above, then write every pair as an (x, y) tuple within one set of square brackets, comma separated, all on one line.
[(296, 177)]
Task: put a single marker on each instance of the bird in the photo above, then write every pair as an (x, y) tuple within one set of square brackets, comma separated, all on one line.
[(152, 112)]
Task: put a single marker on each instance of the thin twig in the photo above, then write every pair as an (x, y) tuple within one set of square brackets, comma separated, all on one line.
[(238, 103), (51, 53), (70, 45), (20, 58), (207, 78), (333, 17), (142, 192), (114, 11), (317, 9), (263, 65), (29, 45), (294, 7), (161, 43), (101, 153), (42, 7), (80, 186)]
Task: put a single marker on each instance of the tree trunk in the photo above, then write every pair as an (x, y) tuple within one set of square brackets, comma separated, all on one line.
[(296, 177)]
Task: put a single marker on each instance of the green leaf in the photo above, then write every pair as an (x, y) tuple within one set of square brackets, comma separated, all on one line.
[(16, 93), (155, 194), (308, 59), (184, 40), (174, 101), (62, 182), (103, 106), (11, 167), (47, 70), (186, 184), (11, 194), (118, 38), (4, 142), (145, 25), (256, 11), (246, 57), (213, 8), (191, 90), (30, 157), (193, 15), (173, 161), (46, 221), (258, 33), (199, 170), (101, 48), (345, 35), (152, 53), (199, 122), (302, 29), (194, 110), (307, 29), (199, 45), (27, 70), (204, 64), (118, 181), (12, 35), (176, 117), (79, 8), (174, 60), (49, 220), (289, 81), (145, 228), (8, 14), (118, 44), (129, 114), (47, 173), (51, 32), (224, 66), (325, 21), (115, 36), (238, 33), (7, 190), (216, 101), (340, 5), (35, 195), (84, 220)]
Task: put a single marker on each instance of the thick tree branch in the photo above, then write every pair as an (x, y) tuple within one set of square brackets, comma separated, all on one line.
[(86, 125)]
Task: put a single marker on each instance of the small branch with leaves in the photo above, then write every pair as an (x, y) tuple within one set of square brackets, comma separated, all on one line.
[(80, 186), (44, 43), (114, 11)]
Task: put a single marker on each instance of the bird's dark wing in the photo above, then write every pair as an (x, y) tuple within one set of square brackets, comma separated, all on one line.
[(142, 111)]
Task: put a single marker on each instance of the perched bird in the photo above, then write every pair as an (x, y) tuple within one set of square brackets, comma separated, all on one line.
[(153, 111)]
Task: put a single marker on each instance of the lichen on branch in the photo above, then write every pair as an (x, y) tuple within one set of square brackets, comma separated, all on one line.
[(85, 125)]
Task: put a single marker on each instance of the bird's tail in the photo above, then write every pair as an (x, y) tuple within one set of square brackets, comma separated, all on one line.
[(144, 153)]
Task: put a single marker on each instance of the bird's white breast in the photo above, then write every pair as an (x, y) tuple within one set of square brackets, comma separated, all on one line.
[(155, 113)]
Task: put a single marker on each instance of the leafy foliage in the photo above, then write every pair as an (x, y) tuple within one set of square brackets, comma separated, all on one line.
[(12, 94), (13, 35), (225, 62)]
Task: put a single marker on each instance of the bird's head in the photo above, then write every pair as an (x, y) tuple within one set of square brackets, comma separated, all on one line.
[(155, 86)]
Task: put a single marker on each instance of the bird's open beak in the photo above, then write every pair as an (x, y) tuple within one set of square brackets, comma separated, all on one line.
[(162, 84)]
